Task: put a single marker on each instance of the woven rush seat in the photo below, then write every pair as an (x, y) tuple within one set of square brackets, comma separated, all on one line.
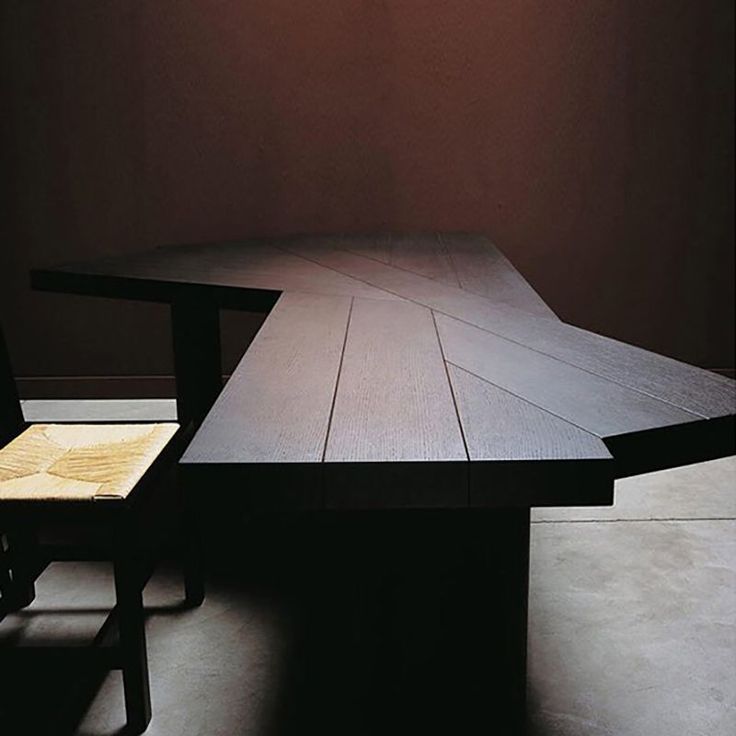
[(80, 462)]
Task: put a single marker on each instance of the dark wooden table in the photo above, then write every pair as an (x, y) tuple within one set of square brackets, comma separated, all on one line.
[(413, 397)]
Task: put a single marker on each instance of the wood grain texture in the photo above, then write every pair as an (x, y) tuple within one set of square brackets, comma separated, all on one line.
[(688, 387), (501, 426), (522, 455), (394, 406), (482, 269), (584, 399), (80, 462), (276, 406), (393, 400), (685, 386), (428, 292), (268, 428), (464, 260), (425, 255), (250, 265), (376, 246), (643, 433)]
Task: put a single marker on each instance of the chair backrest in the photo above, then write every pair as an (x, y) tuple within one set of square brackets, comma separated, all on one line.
[(11, 415)]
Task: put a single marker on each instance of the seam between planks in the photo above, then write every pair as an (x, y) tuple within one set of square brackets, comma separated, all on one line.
[(531, 403), (454, 403), (337, 384), (460, 286), (450, 260), (581, 368), (503, 337)]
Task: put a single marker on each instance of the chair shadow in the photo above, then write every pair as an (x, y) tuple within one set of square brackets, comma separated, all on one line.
[(169, 608), (53, 700)]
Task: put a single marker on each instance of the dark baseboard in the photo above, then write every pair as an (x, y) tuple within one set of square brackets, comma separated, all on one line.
[(127, 387), (96, 387)]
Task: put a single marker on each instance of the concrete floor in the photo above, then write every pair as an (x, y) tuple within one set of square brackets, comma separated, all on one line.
[(632, 627)]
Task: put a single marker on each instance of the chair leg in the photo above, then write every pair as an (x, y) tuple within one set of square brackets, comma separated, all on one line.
[(5, 579), (23, 554), (192, 552), (131, 624)]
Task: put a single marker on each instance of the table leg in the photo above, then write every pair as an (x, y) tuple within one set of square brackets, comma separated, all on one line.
[(197, 359)]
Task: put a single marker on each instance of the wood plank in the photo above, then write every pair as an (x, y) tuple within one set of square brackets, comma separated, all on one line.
[(252, 265), (376, 246), (482, 269), (642, 433), (464, 260), (275, 409), (395, 439), (588, 401), (428, 292), (685, 386), (425, 255), (522, 455)]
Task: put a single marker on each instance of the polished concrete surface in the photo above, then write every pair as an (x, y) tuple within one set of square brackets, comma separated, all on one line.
[(632, 628)]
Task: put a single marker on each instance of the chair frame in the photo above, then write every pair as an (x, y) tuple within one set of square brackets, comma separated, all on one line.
[(23, 559)]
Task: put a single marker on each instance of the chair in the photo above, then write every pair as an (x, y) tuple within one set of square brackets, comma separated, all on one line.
[(89, 477)]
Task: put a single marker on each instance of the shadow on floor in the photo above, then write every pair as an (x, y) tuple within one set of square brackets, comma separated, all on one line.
[(49, 697), (364, 647)]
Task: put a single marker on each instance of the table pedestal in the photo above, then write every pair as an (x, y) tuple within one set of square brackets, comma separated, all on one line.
[(411, 623)]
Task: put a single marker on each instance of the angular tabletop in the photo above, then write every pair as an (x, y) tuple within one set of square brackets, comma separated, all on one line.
[(417, 371)]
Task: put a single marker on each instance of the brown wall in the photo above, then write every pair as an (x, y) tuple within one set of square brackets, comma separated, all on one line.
[(591, 139)]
